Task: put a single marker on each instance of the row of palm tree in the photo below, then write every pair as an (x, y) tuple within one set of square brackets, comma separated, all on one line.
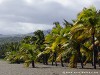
[(73, 42)]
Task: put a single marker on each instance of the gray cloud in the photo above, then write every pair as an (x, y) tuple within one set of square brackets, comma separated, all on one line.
[(20, 16)]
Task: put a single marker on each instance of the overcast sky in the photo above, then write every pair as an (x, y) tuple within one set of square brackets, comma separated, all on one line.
[(25, 16)]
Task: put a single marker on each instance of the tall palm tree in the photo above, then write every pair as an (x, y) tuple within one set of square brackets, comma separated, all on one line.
[(89, 19)]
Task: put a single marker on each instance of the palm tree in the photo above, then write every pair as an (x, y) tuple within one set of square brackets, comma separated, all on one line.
[(28, 54), (12, 52), (89, 19), (40, 45), (31, 46), (55, 40)]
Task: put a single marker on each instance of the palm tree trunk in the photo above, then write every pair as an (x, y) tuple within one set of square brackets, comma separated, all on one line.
[(46, 61), (98, 56), (94, 52), (81, 63), (55, 55), (99, 62), (81, 60), (53, 59), (43, 59), (33, 65), (62, 62), (80, 56), (73, 61)]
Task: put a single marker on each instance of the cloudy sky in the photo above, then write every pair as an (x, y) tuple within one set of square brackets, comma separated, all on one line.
[(25, 16)]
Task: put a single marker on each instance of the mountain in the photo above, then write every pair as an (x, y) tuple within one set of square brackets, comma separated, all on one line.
[(10, 38), (1, 35), (46, 31), (17, 37)]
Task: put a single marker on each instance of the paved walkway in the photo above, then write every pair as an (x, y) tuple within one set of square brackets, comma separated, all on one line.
[(18, 69)]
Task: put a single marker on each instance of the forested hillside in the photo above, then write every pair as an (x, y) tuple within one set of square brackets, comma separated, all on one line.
[(17, 38), (10, 39)]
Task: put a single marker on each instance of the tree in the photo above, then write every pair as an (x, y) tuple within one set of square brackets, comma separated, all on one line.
[(31, 46), (12, 52), (89, 19), (28, 54)]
